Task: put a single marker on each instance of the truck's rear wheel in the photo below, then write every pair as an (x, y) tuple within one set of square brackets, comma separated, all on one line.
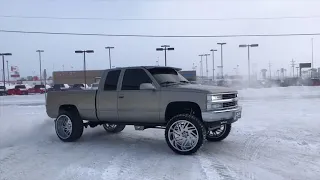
[(185, 134), (219, 134), (69, 126), (113, 128)]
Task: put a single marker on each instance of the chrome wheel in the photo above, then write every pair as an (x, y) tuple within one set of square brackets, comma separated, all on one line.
[(63, 126), (109, 127), (217, 133), (183, 135)]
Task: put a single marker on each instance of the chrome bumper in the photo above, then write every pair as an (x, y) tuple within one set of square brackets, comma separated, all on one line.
[(231, 115)]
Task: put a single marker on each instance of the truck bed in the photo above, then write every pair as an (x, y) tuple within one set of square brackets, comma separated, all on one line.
[(84, 100)]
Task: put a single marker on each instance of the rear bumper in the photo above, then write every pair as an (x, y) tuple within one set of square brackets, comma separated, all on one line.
[(230, 115)]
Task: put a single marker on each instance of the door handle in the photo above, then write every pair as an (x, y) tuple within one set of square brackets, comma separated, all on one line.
[(121, 96)]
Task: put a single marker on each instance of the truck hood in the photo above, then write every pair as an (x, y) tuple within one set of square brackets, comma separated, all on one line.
[(199, 88)]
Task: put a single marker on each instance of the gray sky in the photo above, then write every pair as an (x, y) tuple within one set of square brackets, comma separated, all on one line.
[(59, 50)]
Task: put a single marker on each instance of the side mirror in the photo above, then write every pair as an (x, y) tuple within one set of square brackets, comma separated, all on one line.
[(147, 86)]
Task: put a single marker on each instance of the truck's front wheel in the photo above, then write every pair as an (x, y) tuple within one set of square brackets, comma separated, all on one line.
[(113, 128), (69, 126), (185, 134), (219, 134)]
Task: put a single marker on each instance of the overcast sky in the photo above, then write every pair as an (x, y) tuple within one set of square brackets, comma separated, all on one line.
[(130, 51)]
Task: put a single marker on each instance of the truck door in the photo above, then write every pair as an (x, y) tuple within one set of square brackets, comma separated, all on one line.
[(107, 97), (135, 105)]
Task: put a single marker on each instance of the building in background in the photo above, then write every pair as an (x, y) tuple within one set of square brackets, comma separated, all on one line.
[(77, 77)]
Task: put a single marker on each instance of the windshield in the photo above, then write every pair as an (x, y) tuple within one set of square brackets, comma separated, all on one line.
[(20, 87), (167, 76)]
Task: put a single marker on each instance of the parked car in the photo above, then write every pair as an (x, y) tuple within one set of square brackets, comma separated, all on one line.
[(3, 90), (148, 97), (37, 89), (94, 86), (18, 90), (59, 87), (79, 87)]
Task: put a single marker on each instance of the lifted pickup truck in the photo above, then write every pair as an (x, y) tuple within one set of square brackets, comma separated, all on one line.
[(147, 97)]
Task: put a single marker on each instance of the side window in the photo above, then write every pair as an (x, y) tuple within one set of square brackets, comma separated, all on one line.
[(133, 78), (112, 80)]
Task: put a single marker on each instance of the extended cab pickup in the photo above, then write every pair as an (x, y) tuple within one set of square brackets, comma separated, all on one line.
[(147, 97)]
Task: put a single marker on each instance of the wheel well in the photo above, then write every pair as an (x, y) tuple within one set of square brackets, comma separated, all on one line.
[(184, 107), (68, 107)]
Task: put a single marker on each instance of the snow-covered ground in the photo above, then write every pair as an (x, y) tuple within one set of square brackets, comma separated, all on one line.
[(277, 138)]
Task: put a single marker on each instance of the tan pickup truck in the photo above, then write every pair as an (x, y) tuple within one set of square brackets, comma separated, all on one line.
[(147, 97)]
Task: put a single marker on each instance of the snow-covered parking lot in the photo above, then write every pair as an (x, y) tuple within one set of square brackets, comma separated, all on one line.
[(278, 137)]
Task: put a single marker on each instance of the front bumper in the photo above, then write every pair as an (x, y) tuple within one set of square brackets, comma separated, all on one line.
[(229, 115)]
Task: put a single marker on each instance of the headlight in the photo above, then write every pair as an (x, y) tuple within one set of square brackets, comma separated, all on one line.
[(211, 104), (212, 98)]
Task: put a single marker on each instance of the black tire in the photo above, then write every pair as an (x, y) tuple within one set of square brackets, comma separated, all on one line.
[(115, 129), (76, 122), (199, 128), (213, 136)]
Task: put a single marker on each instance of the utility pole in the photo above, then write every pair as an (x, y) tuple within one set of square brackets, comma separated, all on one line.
[(4, 71), (292, 65), (213, 50), (269, 70), (207, 71), (40, 51), (201, 66), (221, 44), (8, 71), (84, 64), (109, 49), (165, 48)]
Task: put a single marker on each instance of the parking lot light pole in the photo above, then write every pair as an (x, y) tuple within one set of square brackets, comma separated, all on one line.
[(84, 64), (8, 72), (4, 72), (221, 44), (244, 46), (165, 48), (213, 50), (40, 51), (109, 50), (207, 72)]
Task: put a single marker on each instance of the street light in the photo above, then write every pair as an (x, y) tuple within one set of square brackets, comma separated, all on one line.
[(109, 49), (221, 44), (244, 46), (4, 72), (213, 50), (40, 51), (84, 63), (201, 67), (8, 71), (207, 72), (165, 48)]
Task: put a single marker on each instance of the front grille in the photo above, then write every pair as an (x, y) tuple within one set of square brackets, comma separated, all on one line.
[(229, 104), (229, 96)]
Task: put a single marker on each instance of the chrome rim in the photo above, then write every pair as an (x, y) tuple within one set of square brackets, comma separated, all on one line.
[(217, 132), (109, 126), (63, 126), (183, 135)]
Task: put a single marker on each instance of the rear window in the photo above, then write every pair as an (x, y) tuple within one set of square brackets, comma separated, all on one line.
[(20, 87)]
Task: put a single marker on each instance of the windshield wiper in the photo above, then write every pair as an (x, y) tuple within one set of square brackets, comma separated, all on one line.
[(185, 82)]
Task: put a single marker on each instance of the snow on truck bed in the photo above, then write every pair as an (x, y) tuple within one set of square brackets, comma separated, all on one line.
[(278, 137)]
